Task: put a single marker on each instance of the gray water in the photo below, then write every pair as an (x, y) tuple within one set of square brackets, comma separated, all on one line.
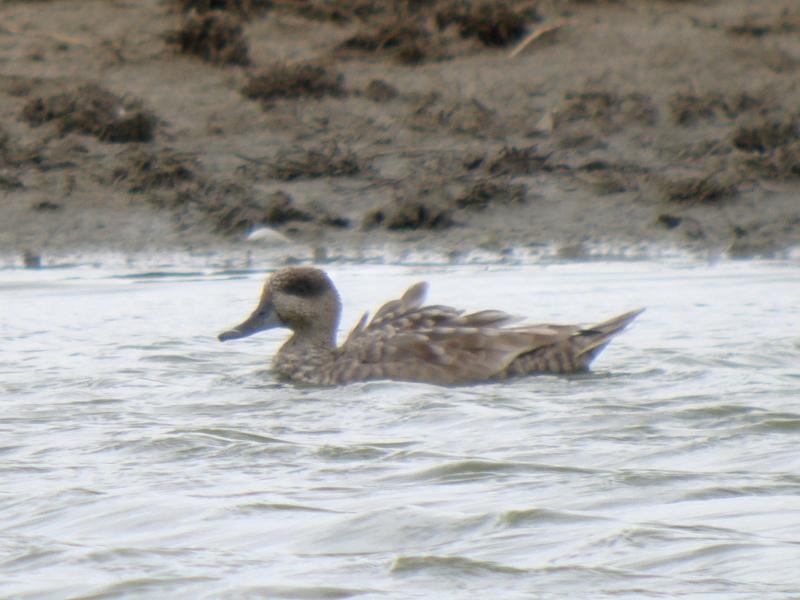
[(141, 458)]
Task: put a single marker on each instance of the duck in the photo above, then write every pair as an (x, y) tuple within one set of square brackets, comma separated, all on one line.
[(407, 340)]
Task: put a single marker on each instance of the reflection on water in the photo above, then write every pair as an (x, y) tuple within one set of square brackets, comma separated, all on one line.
[(141, 458)]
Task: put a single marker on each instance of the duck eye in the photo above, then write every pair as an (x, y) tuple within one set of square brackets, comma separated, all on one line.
[(305, 287)]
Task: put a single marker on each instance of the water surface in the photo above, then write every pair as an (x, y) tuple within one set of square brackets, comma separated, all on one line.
[(142, 458)]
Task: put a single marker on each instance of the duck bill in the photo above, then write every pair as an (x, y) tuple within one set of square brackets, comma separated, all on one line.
[(264, 317)]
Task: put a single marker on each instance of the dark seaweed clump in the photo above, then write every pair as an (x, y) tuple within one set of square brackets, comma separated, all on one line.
[(92, 109), (215, 37), (293, 81)]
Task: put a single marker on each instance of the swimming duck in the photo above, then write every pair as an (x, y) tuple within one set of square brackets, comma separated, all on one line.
[(409, 341)]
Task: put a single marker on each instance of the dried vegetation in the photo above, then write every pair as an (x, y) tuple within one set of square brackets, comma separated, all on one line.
[(94, 110), (281, 80), (216, 37)]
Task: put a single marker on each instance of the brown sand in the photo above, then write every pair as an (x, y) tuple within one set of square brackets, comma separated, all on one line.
[(138, 126)]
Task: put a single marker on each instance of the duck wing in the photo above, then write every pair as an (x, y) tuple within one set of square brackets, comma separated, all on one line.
[(436, 344), (571, 350), (409, 341), (408, 313)]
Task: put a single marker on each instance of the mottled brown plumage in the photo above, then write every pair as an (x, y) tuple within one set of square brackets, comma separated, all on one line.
[(408, 341)]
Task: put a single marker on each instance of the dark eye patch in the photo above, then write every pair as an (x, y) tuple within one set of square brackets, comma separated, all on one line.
[(305, 286)]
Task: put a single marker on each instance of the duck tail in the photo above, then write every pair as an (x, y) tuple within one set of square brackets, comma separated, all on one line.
[(589, 342)]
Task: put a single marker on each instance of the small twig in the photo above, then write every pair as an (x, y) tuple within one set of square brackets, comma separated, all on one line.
[(534, 35), (252, 159), (408, 151), (61, 38), (401, 151)]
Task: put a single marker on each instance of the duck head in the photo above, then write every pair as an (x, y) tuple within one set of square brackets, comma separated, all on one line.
[(302, 299)]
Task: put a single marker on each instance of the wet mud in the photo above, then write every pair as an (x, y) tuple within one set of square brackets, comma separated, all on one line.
[(446, 124)]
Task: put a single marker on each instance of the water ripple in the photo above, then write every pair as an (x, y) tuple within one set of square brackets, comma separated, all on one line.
[(142, 459)]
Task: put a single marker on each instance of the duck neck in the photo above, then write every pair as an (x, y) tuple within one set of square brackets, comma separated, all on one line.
[(306, 339)]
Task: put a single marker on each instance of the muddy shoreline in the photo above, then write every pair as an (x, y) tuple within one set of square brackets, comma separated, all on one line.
[(511, 128)]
